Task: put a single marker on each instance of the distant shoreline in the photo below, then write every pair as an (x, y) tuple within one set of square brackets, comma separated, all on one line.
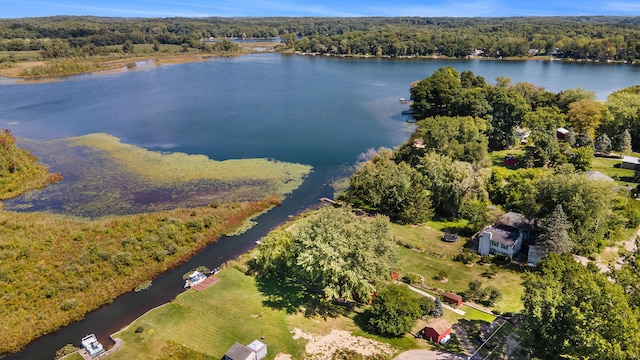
[(11, 75)]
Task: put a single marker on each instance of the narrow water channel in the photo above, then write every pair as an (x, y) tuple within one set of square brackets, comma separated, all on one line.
[(112, 317)]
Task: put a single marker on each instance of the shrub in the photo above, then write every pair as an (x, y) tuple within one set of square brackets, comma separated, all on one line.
[(490, 272), (501, 259), (465, 257), (65, 350), (139, 330), (441, 275), (413, 278)]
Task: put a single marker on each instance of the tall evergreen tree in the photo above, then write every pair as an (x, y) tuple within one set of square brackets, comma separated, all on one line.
[(437, 311), (602, 145), (624, 144), (554, 237)]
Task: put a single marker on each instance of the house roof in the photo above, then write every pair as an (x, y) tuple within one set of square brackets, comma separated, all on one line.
[(562, 130), (257, 345), (631, 159), (597, 175), (439, 325), (501, 235), (238, 352), (453, 296), (512, 219)]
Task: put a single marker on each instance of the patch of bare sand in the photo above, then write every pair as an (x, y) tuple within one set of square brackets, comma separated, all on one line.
[(282, 356), (323, 347)]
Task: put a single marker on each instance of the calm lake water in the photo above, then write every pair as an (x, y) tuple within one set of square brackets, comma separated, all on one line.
[(313, 110)]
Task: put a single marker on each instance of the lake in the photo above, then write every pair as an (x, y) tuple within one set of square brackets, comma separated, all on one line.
[(321, 111)]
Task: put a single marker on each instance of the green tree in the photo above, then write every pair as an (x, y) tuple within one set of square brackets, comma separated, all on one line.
[(569, 96), (156, 46), (434, 95), (452, 182), (571, 312), (128, 47), (602, 145), (395, 190), (438, 310), (461, 138), (581, 158), (544, 149), (394, 311), (554, 235), (343, 255), (426, 305), (544, 118), (624, 143), (508, 109), (624, 107)]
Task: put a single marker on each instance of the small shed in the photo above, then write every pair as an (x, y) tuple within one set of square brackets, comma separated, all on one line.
[(240, 352), (452, 298), (259, 348), (630, 162), (561, 133), (438, 330)]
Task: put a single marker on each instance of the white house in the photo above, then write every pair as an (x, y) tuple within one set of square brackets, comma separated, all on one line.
[(505, 236)]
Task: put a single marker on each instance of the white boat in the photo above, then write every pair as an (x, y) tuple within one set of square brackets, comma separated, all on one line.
[(91, 344), (195, 278)]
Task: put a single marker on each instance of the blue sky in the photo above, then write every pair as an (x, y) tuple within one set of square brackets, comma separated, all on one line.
[(426, 8)]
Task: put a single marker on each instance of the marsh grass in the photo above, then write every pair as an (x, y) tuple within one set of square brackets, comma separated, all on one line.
[(54, 269)]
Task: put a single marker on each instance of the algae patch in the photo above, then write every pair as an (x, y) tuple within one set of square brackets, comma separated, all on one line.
[(103, 176)]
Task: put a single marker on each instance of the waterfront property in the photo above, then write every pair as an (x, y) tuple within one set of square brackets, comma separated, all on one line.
[(92, 346)]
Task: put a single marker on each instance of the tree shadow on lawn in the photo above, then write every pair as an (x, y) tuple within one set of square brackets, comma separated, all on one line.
[(286, 294)]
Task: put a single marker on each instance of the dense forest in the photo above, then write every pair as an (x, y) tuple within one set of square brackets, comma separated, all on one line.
[(597, 38)]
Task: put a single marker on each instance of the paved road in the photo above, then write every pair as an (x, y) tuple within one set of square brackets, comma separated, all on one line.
[(428, 355)]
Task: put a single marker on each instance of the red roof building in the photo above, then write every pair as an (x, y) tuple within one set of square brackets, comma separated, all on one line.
[(438, 330), (452, 298)]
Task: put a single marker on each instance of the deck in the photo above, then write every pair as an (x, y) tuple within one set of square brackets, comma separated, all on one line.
[(205, 283)]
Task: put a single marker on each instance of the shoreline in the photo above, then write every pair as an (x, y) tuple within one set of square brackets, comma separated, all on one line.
[(129, 64)]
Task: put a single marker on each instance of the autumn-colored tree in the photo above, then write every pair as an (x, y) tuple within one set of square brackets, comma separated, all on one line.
[(585, 115)]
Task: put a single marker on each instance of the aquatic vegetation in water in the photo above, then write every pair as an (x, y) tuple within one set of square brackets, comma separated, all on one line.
[(103, 176)]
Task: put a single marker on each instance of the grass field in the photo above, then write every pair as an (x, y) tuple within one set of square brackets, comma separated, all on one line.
[(240, 308), (611, 167), (211, 321), (458, 274)]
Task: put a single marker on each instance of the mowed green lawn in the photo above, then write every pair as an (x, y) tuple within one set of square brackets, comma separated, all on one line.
[(611, 167), (210, 322), (458, 274)]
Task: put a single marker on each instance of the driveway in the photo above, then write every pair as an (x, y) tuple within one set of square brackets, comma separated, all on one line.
[(428, 355)]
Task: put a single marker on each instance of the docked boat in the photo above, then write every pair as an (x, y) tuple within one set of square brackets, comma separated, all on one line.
[(195, 278), (91, 344)]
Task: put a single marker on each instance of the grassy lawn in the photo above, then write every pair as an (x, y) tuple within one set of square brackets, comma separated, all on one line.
[(611, 167), (459, 275), (210, 322), (204, 325)]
